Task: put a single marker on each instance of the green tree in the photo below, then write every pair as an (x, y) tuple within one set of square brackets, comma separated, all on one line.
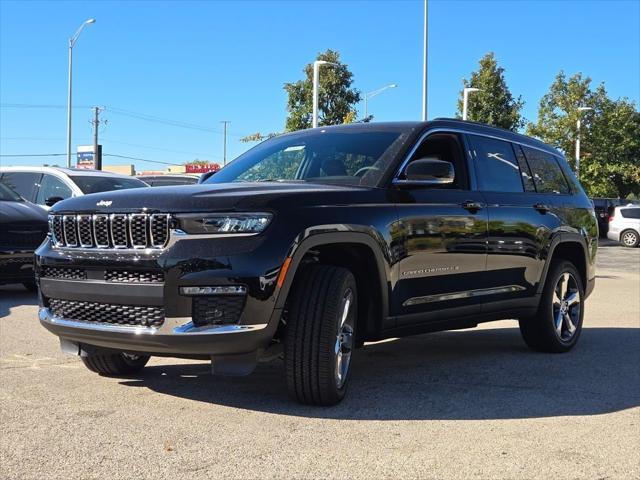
[(493, 104), (336, 99), (609, 134)]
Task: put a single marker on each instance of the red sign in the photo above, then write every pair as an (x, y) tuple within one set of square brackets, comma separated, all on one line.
[(201, 167)]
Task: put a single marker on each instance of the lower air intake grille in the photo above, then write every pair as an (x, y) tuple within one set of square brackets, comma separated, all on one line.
[(217, 310), (129, 276), (133, 315), (64, 273)]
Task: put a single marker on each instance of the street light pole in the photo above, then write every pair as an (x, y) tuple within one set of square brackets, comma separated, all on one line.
[(578, 125), (465, 100), (72, 42), (372, 94), (224, 142), (316, 86)]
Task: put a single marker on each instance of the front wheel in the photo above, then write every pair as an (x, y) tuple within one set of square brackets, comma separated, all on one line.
[(557, 325), (118, 363), (320, 334)]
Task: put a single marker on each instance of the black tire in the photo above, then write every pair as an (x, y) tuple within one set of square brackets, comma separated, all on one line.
[(31, 286), (541, 332), (115, 363), (311, 338), (629, 238)]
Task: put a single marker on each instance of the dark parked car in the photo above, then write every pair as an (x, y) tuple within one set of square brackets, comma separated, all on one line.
[(168, 180), (23, 227), (604, 208), (314, 242)]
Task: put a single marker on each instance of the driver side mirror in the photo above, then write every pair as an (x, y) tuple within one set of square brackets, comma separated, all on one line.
[(51, 201), (428, 171)]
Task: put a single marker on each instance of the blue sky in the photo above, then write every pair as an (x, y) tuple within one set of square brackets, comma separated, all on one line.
[(202, 62)]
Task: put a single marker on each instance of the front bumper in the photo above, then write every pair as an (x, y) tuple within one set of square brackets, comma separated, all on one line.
[(177, 336)]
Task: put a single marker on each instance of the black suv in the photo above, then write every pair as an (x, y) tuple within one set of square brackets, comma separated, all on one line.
[(314, 242)]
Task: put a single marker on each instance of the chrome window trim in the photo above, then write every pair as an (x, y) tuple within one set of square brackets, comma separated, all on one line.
[(396, 180)]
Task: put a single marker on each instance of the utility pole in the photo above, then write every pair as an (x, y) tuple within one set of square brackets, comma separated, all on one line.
[(97, 151), (424, 63), (224, 142)]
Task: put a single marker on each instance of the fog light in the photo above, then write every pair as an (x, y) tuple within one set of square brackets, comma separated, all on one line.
[(215, 290)]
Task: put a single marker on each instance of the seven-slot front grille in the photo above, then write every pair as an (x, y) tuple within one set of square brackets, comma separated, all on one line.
[(133, 315), (118, 230)]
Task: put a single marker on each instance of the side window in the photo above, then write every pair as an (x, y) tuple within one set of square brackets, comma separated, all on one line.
[(527, 178), (547, 176), (496, 165), (24, 183), (51, 186), (447, 147)]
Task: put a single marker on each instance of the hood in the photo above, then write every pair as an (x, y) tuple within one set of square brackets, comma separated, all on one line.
[(21, 212), (204, 197)]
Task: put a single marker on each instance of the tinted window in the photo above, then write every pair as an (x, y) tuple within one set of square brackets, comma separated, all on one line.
[(98, 183), (9, 195), (527, 178), (496, 165), (547, 176), (51, 186), (630, 212), (24, 183)]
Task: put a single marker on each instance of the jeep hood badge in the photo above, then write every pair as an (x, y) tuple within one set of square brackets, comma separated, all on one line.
[(104, 203)]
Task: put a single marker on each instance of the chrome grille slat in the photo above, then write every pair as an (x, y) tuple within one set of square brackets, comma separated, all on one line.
[(85, 230), (101, 230), (135, 231), (69, 229)]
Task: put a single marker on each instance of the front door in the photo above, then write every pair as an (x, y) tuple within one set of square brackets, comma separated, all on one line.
[(444, 232)]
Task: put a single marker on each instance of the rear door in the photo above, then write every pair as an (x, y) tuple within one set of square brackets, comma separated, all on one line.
[(443, 233), (520, 222)]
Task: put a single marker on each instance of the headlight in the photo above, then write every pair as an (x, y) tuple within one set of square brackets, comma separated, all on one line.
[(224, 223)]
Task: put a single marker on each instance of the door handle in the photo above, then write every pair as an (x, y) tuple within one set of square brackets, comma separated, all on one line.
[(472, 206), (541, 207)]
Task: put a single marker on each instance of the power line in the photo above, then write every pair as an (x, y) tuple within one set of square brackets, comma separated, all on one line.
[(23, 155), (132, 114)]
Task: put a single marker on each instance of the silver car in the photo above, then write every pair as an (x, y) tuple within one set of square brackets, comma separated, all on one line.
[(624, 225)]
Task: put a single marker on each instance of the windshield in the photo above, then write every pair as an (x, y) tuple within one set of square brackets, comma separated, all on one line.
[(9, 195), (343, 156), (98, 183)]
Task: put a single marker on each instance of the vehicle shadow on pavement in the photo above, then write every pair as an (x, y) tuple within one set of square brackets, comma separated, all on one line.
[(15, 296), (465, 375)]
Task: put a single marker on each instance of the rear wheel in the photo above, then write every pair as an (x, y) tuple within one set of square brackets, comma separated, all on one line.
[(557, 325), (320, 334), (630, 238), (115, 363)]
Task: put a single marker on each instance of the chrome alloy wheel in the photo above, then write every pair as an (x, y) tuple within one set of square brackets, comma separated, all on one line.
[(629, 239), (344, 339), (566, 306)]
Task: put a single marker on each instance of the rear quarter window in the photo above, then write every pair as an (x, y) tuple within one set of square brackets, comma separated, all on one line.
[(547, 175), (630, 212)]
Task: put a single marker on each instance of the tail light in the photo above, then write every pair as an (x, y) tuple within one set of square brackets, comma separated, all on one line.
[(611, 217)]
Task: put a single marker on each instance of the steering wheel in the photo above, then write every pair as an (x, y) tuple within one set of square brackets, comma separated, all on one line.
[(363, 170)]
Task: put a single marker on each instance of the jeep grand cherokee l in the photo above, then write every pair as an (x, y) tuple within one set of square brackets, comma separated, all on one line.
[(314, 242)]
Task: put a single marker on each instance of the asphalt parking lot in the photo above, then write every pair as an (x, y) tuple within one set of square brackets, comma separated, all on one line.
[(466, 404)]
